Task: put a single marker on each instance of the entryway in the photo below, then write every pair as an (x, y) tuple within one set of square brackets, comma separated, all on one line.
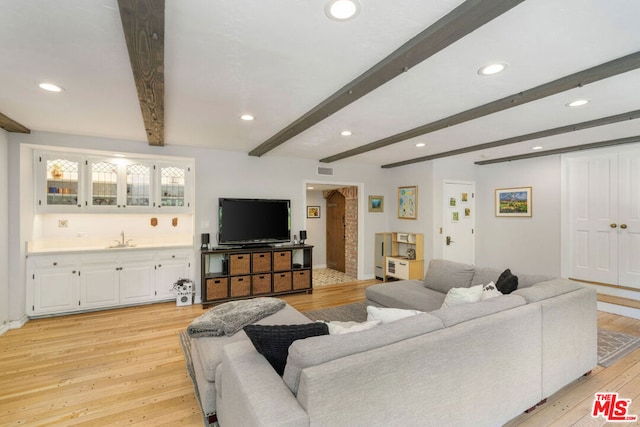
[(458, 230)]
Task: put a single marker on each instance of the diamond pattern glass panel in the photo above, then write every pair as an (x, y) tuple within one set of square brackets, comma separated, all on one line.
[(172, 181), (138, 185), (104, 184), (62, 182)]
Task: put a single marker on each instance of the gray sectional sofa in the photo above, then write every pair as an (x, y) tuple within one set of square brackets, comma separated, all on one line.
[(478, 364)]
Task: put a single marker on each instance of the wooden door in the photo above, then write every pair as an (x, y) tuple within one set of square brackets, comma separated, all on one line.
[(335, 231)]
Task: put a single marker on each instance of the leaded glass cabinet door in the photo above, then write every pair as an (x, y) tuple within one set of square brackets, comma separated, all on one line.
[(175, 186), (103, 184), (138, 191), (59, 182)]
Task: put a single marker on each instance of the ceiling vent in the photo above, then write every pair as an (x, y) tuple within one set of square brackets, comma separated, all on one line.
[(325, 171)]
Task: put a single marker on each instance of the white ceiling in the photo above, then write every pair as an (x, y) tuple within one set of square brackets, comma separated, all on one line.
[(278, 59)]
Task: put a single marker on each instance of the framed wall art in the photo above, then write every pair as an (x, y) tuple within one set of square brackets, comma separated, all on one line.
[(514, 202), (408, 202), (376, 203), (313, 211)]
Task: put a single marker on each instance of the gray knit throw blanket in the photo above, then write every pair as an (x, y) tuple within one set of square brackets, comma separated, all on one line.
[(230, 317)]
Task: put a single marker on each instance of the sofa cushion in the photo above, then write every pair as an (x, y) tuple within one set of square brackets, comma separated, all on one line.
[(483, 275), (339, 328), (318, 350), (408, 294), (548, 289), (209, 349), (443, 275), (386, 315), (273, 341), (461, 313), (507, 282), (457, 296)]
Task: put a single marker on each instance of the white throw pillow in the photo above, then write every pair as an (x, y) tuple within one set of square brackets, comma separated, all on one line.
[(387, 315), (490, 291), (457, 296), (339, 328)]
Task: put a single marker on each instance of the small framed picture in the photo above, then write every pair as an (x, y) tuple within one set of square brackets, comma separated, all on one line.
[(514, 202), (376, 203), (455, 216), (452, 202), (313, 211), (408, 202)]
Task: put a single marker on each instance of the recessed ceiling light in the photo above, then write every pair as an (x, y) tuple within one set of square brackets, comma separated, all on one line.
[(346, 133), (491, 69), (537, 147), (50, 87), (420, 144), (247, 117), (578, 103), (342, 10)]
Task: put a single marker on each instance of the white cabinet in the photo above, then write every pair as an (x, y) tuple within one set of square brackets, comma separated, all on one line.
[(59, 182), (171, 266), (86, 183), (54, 285), (69, 283)]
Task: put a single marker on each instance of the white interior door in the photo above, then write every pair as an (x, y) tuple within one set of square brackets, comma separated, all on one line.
[(629, 219), (458, 231)]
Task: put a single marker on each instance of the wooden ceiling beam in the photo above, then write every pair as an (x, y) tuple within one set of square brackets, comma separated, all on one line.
[(464, 19), (11, 125), (590, 146), (579, 79), (632, 115), (143, 26)]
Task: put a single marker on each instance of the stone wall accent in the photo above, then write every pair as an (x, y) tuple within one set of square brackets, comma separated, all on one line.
[(351, 228)]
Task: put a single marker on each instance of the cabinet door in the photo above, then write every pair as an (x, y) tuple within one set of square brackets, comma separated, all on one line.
[(59, 179), (137, 279), (169, 268), (175, 185), (99, 284), (103, 184), (138, 191), (55, 287)]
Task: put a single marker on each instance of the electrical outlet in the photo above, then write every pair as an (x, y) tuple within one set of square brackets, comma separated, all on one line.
[(63, 223)]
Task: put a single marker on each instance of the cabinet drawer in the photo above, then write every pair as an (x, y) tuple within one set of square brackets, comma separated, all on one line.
[(261, 283), (217, 288), (282, 282), (397, 267), (240, 286), (301, 279), (239, 264), (282, 261), (261, 262)]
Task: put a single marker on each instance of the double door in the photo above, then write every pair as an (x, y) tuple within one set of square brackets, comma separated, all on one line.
[(602, 192)]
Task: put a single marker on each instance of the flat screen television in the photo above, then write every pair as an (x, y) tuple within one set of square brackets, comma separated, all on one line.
[(251, 222)]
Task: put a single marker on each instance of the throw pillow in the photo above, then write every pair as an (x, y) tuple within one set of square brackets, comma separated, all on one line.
[(507, 282), (339, 328), (273, 341), (386, 315), (457, 296), (490, 291)]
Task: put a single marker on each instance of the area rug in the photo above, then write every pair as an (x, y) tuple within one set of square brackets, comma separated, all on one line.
[(327, 276), (613, 346)]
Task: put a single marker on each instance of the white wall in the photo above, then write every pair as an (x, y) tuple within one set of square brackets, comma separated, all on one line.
[(4, 232), (317, 229)]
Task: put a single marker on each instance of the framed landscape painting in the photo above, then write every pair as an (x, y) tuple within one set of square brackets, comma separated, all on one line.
[(313, 211), (515, 202), (376, 203)]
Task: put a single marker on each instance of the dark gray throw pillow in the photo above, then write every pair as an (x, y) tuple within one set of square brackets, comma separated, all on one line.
[(273, 341), (507, 282)]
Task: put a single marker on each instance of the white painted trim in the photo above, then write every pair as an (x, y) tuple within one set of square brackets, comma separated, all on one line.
[(4, 328), (319, 266), (17, 324), (619, 310)]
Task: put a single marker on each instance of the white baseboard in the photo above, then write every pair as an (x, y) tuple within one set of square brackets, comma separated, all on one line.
[(17, 324), (619, 310), (319, 266), (4, 328)]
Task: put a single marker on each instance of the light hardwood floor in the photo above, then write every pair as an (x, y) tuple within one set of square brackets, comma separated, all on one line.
[(125, 366)]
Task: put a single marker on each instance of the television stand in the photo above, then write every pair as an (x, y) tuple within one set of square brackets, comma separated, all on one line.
[(231, 273)]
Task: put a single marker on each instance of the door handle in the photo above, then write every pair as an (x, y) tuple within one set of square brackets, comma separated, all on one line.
[(613, 225), (623, 226), (449, 241)]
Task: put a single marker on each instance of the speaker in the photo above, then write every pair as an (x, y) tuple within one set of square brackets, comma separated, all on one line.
[(303, 236), (204, 240)]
